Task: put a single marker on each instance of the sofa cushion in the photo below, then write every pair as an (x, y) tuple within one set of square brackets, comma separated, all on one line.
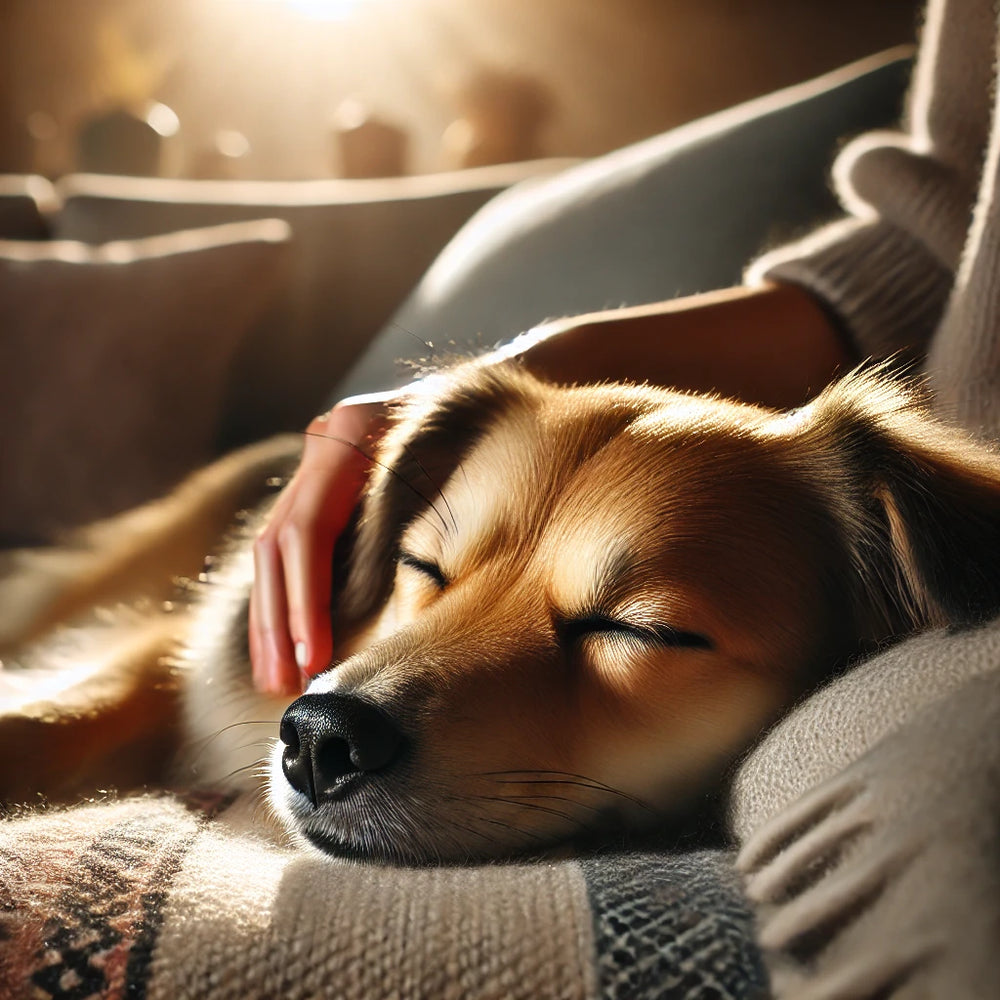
[(359, 247), (26, 202), (115, 365)]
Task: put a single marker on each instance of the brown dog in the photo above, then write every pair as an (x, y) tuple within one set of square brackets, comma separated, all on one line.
[(575, 607)]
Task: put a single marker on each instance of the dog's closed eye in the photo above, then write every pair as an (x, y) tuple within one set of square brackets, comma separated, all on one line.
[(574, 630), (426, 567)]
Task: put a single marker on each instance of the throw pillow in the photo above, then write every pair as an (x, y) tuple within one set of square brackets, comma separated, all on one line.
[(115, 363)]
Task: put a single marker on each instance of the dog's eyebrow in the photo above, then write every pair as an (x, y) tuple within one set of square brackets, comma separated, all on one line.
[(615, 565), (593, 576)]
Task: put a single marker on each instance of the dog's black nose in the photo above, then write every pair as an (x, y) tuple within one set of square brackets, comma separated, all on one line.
[(329, 737)]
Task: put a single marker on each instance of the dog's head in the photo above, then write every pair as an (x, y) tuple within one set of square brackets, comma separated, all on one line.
[(584, 602)]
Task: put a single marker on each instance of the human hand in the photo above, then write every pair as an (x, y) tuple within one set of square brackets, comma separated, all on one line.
[(290, 634)]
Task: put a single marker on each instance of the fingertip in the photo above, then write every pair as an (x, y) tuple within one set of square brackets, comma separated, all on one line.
[(320, 653)]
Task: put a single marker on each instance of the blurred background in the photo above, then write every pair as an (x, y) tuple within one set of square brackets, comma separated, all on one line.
[(294, 89), (218, 216)]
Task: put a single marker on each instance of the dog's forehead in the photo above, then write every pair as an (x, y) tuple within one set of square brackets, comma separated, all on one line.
[(509, 479), (574, 454)]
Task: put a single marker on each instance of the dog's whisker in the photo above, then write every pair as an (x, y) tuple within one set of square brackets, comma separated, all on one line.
[(564, 778), (473, 831), (513, 801), (437, 488), (422, 516), (513, 829), (398, 476), (532, 802), (206, 741), (481, 817), (562, 798), (192, 764), (261, 764), (255, 743), (259, 801), (465, 476), (504, 841)]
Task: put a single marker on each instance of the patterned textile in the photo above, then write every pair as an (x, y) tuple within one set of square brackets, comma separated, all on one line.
[(151, 898), (672, 927)]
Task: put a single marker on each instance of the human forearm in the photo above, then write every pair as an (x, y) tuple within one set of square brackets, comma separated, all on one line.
[(772, 344)]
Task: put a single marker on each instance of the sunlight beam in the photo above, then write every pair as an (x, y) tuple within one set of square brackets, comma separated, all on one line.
[(322, 10)]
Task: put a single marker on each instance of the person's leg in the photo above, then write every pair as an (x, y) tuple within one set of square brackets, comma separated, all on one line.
[(676, 214)]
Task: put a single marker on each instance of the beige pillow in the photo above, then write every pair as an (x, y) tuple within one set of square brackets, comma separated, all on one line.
[(114, 361)]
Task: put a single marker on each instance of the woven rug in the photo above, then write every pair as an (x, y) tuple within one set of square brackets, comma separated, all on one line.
[(162, 898)]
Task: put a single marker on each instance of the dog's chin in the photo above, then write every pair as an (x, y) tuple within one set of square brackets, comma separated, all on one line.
[(369, 819), (396, 820), (347, 851)]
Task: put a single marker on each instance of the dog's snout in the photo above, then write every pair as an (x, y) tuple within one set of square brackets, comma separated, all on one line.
[(329, 738)]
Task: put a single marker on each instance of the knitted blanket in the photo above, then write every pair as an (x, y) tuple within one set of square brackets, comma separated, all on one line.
[(158, 897)]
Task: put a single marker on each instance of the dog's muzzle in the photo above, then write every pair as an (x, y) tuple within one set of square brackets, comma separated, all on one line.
[(332, 741)]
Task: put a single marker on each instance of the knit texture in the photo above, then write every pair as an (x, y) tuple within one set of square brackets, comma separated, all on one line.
[(144, 899), (889, 270), (151, 898), (885, 881), (672, 927)]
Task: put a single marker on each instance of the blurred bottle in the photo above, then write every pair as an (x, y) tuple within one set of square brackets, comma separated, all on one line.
[(223, 158), (366, 145), (501, 117), (121, 141)]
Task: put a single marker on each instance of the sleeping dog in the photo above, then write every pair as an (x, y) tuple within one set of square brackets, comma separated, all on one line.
[(577, 606), (566, 609)]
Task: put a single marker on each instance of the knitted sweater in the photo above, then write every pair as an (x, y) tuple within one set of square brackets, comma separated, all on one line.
[(869, 816), (912, 267)]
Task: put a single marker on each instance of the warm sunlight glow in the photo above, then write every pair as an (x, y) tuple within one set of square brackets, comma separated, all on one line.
[(320, 10)]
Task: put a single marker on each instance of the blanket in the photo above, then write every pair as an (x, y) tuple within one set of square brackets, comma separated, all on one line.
[(870, 819), (161, 896)]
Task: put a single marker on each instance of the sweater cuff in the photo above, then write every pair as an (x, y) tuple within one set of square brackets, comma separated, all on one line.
[(884, 288)]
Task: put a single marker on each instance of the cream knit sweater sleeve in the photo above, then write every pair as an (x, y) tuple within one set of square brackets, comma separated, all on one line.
[(888, 268)]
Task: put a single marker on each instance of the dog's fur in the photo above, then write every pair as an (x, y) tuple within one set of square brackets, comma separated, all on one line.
[(577, 606)]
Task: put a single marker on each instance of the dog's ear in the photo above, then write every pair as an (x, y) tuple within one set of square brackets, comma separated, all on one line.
[(432, 430), (919, 503)]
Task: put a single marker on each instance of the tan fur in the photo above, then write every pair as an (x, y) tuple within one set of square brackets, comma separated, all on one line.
[(90, 695), (779, 547)]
